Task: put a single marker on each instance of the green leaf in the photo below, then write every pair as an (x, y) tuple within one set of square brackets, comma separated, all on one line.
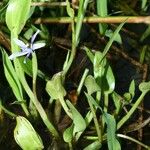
[(92, 101), (143, 4), (16, 14), (89, 54), (111, 40), (109, 34), (70, 11), (28, 34), (128, 97), (99, 66), (112, 141), (144, 86), (25, 135), (34, 67), (68, 134), (110, 80), (54, 87), (12, 77), (132, 88), (103, 12), (117, 101), (78, 120), (91, 85), (66, 61), (145, 34), (81, 12), (96, 145)]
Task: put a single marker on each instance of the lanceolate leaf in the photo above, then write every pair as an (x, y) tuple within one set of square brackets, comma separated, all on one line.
[(78, 120), (113, 143), (17, 14)]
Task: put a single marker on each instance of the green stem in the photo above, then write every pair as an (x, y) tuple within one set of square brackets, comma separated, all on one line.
[(106, 101), (134, 107), (133, 140), (7, 111), (15, 48), (35, 101), (73, 51), (65, 107), (82, 81), (99, 133)]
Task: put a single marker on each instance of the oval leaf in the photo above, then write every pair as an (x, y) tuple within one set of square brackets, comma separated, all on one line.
[(55, 88), (25, 135), (144, 86), (91, 85)]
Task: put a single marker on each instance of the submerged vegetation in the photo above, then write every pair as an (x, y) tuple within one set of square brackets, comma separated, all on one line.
[(74, 74)]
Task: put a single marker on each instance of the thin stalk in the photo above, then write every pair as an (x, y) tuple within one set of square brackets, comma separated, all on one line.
[(65, 107), (134, 107), (82, 81), (106, 101), (73, 50), (70, 146), (51, 4), (14, 48), (95, 19), (98, 130), (7, 111), (133, 140), (98, 96)]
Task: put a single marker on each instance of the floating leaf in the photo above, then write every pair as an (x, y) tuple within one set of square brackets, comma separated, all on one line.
[(25, 135)]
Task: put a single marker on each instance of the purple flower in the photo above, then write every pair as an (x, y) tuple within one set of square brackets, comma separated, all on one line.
[(26, 49)]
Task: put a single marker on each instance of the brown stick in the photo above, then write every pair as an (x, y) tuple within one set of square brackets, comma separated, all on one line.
[(118, 19)]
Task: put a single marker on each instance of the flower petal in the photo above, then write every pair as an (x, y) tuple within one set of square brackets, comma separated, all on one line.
[(17, 54), (37, 45), (34, 36), (20, 43)]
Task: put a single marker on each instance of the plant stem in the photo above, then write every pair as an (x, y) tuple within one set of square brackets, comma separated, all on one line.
[(7, 111), (73, 50), (106, 101), (133, 140), (96, 19), (134, 107), (15, 48), (82, 81), (35, 101), (96, 122), (65, 107)]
